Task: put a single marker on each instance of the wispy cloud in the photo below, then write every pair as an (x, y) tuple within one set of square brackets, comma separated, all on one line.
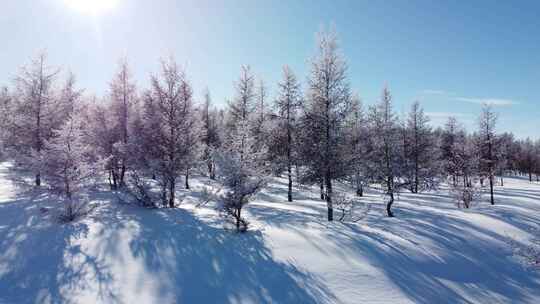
[(497, 102), (488, 101)]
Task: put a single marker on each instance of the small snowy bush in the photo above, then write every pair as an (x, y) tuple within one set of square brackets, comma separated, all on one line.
[(241, 172), (241, 181), (141, 189), (465, 196), (528, 255), (348, 205)]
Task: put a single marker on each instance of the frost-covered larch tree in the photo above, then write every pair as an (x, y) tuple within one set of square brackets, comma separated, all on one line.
[(359, 147), (448, 138), (38, 111), (68, 167), (487, 146), (328, 103), (239, 163), (421, 167), (385, 156), (6, 114), (210, 136), (123, 100), (259, 119), (170, 117), (287, 104), (241, 172)]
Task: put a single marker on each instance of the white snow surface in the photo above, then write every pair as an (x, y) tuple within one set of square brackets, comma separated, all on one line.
[(431, 252)]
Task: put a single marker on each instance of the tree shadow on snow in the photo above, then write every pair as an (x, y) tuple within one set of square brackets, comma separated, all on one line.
[(40, 261), (464, 263), (190, 261), (198, 263)]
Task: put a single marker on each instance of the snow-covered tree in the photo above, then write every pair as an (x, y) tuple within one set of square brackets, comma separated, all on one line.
[(449, 136), (241, 173), (6, 115), (259, 119), (385, 156), (464, 159), (328, 103), (358, 138), (287, 104), (421, 167), (242, 107), (123, 101), (210, 136), (487, 142), (169, 118), (102, 137), (38, 111), (68, 166), (465, 195)]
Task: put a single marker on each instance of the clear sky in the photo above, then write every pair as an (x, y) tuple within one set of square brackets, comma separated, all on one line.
[(450, 55)]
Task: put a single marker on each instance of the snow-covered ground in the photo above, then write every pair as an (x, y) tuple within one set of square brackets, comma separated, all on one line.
[(431, 252)]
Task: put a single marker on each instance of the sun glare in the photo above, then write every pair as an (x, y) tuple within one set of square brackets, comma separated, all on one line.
[(93, 7)]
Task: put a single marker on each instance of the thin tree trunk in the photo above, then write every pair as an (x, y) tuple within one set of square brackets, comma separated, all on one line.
[(359, 186), (238, 216), (122, 174), (491, 190), (322, 190), (110, 180), (115, 180), (361, 190), (329, 199), (389, 205), (171, 192), (212, 171), (164, 194), (187, 178), (289, 193)]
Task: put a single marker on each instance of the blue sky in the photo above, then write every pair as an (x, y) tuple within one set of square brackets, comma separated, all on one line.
[(450, 55)]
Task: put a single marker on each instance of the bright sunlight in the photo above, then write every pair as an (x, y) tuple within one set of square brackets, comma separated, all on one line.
[(92, 7)]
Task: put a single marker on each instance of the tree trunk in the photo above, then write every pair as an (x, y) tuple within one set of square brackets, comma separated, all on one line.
[(389, 205), (491, 190), (110, 180), (416, 169), (322, 190), (289, 193), (38, 179), (115, 180), (122, 174), (502, 182), (359, 190), (187, 179), (164, 194), (329, 199), (210, 167), (171, 193), (212, 171), (238, 217)]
